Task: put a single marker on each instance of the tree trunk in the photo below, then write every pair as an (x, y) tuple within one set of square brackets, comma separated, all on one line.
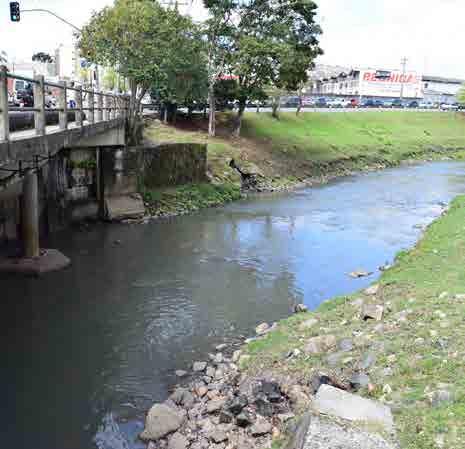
[(275, 107), (133, 122), (299, 107), (258, 108), (238, 121), (165, 115), (212, 110)]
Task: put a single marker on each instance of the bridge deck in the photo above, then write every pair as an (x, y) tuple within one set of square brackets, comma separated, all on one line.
[(23, 145)]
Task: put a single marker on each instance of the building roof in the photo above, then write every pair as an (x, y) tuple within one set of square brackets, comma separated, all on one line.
[(441, 79)]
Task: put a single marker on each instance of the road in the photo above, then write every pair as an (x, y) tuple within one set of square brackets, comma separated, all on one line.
[(344, 110)]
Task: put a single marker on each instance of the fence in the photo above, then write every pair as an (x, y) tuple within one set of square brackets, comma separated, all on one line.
[(99, 106)]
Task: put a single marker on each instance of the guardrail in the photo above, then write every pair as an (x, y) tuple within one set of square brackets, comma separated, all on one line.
[(99, 106)]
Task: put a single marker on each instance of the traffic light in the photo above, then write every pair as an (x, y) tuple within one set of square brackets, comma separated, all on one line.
[(14, 11)]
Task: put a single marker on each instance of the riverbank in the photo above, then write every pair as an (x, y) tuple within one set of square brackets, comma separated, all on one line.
[(401, 341), (383, 366), (306, 150)]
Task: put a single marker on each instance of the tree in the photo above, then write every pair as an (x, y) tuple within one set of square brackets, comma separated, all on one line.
[(461, 95), (183, 79), (139, 38), (275, 44), (218, 31), (42, 57)]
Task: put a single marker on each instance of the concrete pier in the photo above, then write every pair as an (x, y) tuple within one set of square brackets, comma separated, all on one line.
[(30, 215)]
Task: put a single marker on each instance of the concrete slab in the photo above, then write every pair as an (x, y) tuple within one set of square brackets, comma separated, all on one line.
[(341, 404), (49, 260), (124, 207), (323, 433)]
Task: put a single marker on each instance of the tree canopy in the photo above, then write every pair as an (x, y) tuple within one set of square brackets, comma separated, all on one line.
[(144, 42), (274, 43), (461, 95), (258, 43), (42, 57)]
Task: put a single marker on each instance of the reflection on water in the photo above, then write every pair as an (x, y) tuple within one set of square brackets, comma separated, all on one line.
[(89, 349)]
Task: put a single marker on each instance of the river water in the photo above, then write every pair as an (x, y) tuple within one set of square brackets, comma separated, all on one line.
[(87, 350)]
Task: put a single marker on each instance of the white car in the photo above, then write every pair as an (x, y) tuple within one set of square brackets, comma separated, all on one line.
[(448, 107), (335, 103), (426, 105)]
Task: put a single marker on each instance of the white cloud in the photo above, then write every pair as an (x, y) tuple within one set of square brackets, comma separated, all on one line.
[(374, 33), (379, 33)]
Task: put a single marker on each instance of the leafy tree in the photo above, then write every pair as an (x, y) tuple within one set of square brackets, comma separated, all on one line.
[(275, 43), (461, 95), (42, 57), (138, 38), (183, 79), (225, 91), (218, 30)]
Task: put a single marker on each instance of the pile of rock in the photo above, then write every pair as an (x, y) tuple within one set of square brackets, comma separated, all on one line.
[(222, 408)]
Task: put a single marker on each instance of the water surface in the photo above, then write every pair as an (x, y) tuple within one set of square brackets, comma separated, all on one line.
[(97, 344)]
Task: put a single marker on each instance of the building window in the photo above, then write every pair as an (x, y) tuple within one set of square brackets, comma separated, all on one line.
[(426, 85)]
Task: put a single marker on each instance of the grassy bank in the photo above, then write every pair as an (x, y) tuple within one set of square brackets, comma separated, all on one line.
[(418, 349), (315, 146), (188, 198)]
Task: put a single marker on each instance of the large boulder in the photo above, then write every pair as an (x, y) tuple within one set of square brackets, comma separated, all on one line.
[(341, 404), (322, 433), (372, 311), (161, 420), (322, 343)]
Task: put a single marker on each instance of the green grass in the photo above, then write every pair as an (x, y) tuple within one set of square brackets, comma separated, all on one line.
[(188, 198), (311, 146), (315, 144), (331, 136), (417, 283)]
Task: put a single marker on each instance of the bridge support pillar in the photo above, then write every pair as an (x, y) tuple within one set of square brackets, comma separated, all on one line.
[(35, 261), (30, 215)]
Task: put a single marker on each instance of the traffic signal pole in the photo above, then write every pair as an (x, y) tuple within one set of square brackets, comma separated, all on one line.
[(55, 15)]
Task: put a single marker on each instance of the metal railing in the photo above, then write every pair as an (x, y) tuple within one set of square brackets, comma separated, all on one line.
[(99, 106)]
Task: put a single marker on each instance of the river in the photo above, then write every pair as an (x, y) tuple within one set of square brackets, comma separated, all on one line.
[(87, 350)]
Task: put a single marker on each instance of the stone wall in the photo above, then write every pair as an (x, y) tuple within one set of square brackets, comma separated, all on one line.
[(173, 164), (68, 183)]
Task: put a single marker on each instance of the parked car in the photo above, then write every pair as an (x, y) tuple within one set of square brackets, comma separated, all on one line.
[(378, 103), (413, 104), (449, 107), (397, 103), (426, 105), (335, 103), (367, 104), (387, 103), (321, 103), (461, 107), (353, 103), (24, 98), (308, 101)]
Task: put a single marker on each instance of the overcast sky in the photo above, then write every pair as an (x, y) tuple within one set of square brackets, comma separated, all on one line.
[(366, 33)]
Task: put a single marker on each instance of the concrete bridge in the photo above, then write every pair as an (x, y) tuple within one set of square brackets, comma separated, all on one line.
[(31, 157)]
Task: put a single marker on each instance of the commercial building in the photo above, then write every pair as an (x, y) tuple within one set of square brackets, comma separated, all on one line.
[(437, 89), (384, 84), (369, 83)]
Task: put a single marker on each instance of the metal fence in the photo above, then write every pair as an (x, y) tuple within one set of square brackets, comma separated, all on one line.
[(91, 106)]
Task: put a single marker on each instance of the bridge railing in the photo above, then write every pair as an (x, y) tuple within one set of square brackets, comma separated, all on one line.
[(99, 106)]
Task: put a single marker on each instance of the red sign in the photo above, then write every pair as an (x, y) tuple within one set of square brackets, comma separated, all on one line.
[(408, 78)]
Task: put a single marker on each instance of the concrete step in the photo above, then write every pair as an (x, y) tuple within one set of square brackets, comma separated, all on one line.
[(123, 207)]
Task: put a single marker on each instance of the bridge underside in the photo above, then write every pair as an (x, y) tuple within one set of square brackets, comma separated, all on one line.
[(24, 145), (51, 172)]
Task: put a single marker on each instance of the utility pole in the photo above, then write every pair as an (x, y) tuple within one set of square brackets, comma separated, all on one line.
[(403, 62)]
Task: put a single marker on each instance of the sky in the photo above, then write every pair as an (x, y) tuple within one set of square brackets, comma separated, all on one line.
[(356, 33)]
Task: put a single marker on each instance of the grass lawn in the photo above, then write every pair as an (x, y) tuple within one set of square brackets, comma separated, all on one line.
[(310, 146), (419, 346), (329, 136)]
